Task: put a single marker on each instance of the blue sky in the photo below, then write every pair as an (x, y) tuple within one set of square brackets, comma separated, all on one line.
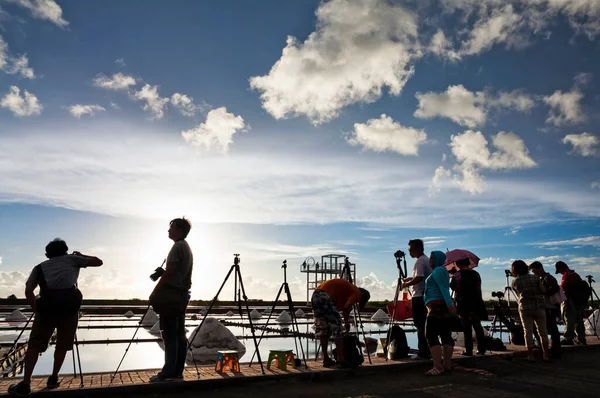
[(293, 129)]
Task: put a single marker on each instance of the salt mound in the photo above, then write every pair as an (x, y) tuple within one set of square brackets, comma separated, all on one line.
[(150, 318), (230, 313), (129, 314), (255, 314), (16, 316), (380, 316), (299, 312), (155, 329), (213, 337), (592, 323), (284, 317)]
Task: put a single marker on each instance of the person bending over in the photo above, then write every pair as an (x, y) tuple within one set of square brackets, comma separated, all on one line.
[(530, 292), (572, 307), (170, 299), (421, 271), (57, 307), (328, 298), (440, 309)]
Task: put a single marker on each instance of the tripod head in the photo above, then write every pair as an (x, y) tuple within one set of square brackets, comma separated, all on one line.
[(236, 259), (284, 265), (400, 257), (590, 279)]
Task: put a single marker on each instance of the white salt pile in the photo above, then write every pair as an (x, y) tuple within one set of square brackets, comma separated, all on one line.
[(150, 318), (229, 313), (155, 329), (299, 312), (129, 314), (212, 337), (284, 317), (16, 316), (380, 316), (255, 314), (592, 324)]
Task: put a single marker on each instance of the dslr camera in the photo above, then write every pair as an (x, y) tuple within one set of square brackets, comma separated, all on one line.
[(399, 254), (507, 273), (499, 295), (157, 274)]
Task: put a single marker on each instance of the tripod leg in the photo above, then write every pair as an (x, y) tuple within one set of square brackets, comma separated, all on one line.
[(266, 324), (129, 345), (193, 336), (239, 275), (74, 368), (357, 312), (392, 319), (16, 343), (296, 331), (78, 360)]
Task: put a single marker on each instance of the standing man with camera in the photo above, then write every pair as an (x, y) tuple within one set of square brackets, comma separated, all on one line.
[(57, 307), (421, 271), (170, 299)]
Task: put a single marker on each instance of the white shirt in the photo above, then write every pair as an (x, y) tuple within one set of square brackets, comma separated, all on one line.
[(423, 269)]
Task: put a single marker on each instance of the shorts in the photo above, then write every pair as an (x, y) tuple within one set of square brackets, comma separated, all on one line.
[(328, 321), (44, 326)]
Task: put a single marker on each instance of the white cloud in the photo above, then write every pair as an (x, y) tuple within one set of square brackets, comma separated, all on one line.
[(78, 110), (155, 104), (14, 65), (595, 185), (440, 174), (469, 108), (118, 81), (582, 241), (565, 107), (384, 134), (185, 104), (120, 62), (0, 260), (25, 105), (584, 144), (358, 48), (472, 154), (514, 230), (582, 79), (44, 9), (217, 131), (12, 283), (491, 261)]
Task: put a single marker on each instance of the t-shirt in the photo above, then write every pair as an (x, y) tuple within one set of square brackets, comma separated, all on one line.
[(569, 280), (421, 268), (341, 292), (60, 272), (529, 293), (181, 256)]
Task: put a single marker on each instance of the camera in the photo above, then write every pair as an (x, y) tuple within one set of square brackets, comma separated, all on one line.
[(499, 295), (157, 274), (399, 254), (507, 273), (590, 279)]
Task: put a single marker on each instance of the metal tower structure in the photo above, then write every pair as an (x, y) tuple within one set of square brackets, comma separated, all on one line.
[(331, 266)]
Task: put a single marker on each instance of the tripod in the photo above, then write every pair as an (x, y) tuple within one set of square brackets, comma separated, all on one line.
[(290, 303), (237, 282), (16, 342), (594, 317), (402, 273), (502, 312)]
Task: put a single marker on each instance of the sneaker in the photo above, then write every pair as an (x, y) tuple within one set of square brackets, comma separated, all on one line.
[(52, 382), (581, 342), (19, 390), (159, 377), (480, 353)]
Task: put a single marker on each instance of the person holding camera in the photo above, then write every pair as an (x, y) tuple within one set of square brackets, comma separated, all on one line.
[(530, 292), (56, 308), (421, 271), (577, 293), (328, 298), (170, 298), (553, 297)]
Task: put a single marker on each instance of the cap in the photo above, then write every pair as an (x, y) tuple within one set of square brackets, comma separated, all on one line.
[(560, 265)]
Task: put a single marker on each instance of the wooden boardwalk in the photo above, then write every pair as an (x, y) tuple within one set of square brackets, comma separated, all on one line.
[(136, 380)]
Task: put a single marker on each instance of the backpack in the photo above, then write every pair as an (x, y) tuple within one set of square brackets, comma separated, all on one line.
[(353, 356), (580, 293), (551, 285), (398, 335)]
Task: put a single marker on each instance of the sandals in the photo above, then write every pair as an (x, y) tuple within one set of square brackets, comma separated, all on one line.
[(434, 372)]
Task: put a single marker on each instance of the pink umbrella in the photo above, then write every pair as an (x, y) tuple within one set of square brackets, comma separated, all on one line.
[(453, 256)]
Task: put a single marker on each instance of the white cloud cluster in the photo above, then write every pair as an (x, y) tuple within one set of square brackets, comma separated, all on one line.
[(473, 155), (217, 131), (469, 108), (595, 185), (21, 105), (79, 110), (584, 144), (185, 104), (565, 107), (117, 82), (44, 9), (12, 65), (358, 48), (384, 134), (155, 104), (581, 241), (12, 283)]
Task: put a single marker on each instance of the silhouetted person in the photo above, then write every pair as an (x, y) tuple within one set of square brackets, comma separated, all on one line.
[(470, 306), (56, 308), (328, 300), (552, 298), (421, 271), (572, 308), (170, 299)]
